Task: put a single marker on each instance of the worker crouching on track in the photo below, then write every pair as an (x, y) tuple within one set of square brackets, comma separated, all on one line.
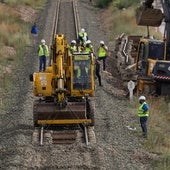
[(143, 113), (43, 52)]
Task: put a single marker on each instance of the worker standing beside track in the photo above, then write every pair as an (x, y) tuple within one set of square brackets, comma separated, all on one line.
[(143, 113), (97, 71), (102, 53), (43, 52)]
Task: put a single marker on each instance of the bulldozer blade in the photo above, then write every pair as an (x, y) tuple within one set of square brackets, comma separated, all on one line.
[(149, 17), (50, 113)]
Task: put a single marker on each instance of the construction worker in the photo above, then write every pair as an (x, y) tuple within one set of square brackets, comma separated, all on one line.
[(82, 71), (89, 47), (34, 32), (73, 46), (82, 37), (102, 53), (43, 52), (143, 113), (34, 29), (97, 71)]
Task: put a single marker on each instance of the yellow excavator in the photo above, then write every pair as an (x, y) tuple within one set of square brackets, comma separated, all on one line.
[(65, 90), (153, 56)]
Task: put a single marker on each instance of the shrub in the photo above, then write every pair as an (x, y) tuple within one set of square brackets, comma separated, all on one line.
[(103, 3), (121, 4)]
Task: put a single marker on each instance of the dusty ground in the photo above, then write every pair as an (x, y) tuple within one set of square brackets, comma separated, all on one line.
[(117, 148)]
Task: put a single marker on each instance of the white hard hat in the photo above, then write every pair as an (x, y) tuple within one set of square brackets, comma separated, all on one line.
[(88, 42), (82, 30), (142, 98), (102, 42), (73, 41), (43, 41)]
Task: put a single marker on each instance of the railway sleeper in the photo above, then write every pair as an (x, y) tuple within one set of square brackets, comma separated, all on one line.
[(63, 136)]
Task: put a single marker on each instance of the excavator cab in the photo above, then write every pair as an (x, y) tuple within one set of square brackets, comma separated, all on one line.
[(149, 51), (82, 74)]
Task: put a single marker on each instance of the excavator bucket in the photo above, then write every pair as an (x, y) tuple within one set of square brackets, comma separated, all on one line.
[(149, 16)]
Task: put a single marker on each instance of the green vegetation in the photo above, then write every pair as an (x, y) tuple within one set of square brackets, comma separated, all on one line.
[(103, 3), (120, 4)]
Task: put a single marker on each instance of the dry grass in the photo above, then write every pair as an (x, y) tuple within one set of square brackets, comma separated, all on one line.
[(16, 16), (159, 125), (124, 21), (4, 15)]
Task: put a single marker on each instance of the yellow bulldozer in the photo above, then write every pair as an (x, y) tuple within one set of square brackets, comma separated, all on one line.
[(65, 90)]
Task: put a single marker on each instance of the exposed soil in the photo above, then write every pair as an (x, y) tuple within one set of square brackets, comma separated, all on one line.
[(117, 147)]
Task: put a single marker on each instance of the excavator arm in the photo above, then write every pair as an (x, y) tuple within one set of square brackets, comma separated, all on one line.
[(148, 3)]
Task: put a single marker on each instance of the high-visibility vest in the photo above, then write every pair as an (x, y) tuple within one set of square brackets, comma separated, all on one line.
[(89, 49), (102, 52), (42, 52), (79, 72), (141, 111), (73, 48), (83, 35)]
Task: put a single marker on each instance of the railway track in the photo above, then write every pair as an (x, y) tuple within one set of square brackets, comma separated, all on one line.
[(66, 21)]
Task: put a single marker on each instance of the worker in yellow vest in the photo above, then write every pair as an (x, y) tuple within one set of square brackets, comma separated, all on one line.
[(82, 71), (73, 47), (82, 37), (102, 53), (143, 113), (43, 52), (89, 47)]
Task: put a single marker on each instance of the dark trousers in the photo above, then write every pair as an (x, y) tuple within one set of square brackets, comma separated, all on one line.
[(143, 121), (99, 77), (104, 62), (42, 63)]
